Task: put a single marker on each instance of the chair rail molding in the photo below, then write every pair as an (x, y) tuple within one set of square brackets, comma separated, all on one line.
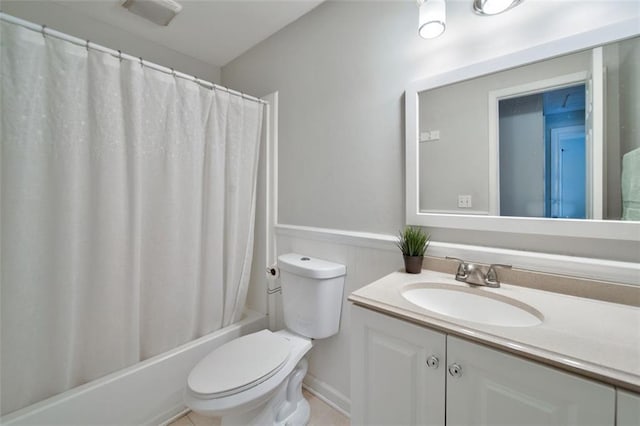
[(580, 267)]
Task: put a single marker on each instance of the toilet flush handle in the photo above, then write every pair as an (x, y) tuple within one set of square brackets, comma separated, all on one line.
[(273, 272)]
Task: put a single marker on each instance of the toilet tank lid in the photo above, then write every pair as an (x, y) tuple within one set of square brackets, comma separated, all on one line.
[(310, 267)]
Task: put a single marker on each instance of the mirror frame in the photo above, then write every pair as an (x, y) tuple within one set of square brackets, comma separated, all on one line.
[(605, 229)]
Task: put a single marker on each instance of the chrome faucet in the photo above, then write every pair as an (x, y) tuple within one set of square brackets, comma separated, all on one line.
[(475, 274)]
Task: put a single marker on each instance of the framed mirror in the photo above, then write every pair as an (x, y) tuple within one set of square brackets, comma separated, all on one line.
[(542, 141)]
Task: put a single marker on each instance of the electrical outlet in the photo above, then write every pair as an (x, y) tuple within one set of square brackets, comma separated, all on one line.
[(430, 135), (464, 201)]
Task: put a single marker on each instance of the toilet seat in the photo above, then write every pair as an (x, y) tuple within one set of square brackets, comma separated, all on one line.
[(253, 394), (239, 365)]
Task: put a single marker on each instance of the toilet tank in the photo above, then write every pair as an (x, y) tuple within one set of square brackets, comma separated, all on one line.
[(311, 294)]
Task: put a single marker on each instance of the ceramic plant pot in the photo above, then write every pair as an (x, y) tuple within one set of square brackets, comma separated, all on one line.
[(413, 264)]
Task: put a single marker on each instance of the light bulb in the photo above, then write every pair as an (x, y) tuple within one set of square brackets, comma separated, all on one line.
[(432, 20), (493, 7)]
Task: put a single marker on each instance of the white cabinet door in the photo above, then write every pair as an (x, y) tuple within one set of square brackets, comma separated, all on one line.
[(391, 383), (495, 388), (628, 409)]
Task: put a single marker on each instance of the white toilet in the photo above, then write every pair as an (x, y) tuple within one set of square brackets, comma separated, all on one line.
[(257, 379)]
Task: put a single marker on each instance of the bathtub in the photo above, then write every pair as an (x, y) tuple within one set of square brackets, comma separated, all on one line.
[(147, 393)]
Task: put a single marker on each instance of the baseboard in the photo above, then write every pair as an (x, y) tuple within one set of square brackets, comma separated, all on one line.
[(169, 416), (328, 394)]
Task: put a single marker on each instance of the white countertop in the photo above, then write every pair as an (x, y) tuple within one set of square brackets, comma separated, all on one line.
[(590, 337)]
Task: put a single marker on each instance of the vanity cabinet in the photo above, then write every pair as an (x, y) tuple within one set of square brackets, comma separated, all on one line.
[(395, 381), (496, 388), (628, 413), (397, 371)]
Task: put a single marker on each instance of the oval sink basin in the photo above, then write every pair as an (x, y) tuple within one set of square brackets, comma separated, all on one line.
[(471, 305)]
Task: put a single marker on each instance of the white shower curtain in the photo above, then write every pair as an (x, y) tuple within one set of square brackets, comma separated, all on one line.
[(128, 200)]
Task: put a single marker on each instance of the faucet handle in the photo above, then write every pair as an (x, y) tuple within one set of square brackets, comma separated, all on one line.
[(462, 271), (492, 276)]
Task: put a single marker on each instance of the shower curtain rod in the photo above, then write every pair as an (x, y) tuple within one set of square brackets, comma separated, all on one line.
[(46, 31)]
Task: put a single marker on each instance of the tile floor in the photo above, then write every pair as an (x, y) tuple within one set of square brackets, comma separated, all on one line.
[(321, 415)]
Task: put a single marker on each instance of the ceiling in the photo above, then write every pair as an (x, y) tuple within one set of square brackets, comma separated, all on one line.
[(212, 31), (217, 31)]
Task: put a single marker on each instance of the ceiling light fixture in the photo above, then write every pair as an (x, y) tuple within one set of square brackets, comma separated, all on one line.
[(432, 21), (160, 12), (493, 7)]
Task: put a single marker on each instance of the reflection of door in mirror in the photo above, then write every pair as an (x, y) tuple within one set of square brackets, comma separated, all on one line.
[(543, 154), (567, 175), (542, 171)]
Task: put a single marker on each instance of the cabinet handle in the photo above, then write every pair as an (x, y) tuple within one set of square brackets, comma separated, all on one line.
[(433, 362), (455, 370)]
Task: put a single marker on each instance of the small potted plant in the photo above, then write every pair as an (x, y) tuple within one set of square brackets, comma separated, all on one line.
[(413, 243)]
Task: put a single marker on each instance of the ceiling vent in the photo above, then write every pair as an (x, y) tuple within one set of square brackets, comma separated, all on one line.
[(160, 12)]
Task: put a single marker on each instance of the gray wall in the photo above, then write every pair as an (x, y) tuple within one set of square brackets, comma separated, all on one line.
[(341, 72), (340, 113)]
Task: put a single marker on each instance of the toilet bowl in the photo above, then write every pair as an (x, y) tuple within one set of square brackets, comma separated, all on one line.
[(237, 396), (256, 379)]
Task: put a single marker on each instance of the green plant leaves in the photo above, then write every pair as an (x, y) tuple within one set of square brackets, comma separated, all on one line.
[(413, 241)]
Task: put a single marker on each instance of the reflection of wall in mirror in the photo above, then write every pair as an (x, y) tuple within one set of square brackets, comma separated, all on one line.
[(457, 163), (630, 121), (630, 94), (522, 153), (622, 120)]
